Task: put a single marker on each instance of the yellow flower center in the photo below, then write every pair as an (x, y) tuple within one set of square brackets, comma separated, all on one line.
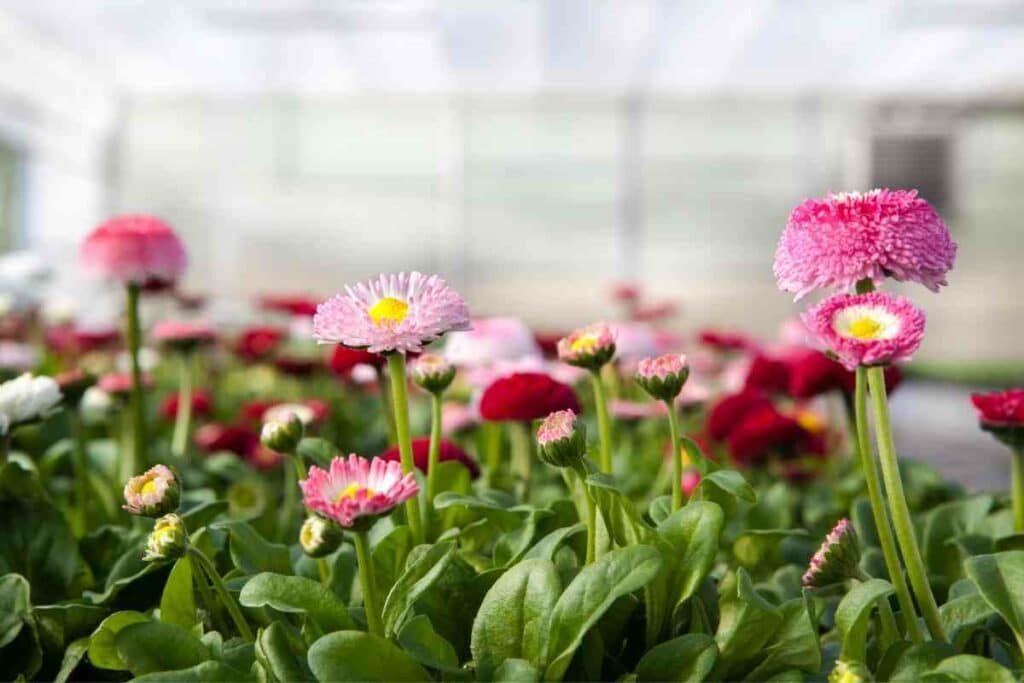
[(585, 343), (306, 535), (388, 310), (352, 490), (148, 487), (865, 328), (810, 421)]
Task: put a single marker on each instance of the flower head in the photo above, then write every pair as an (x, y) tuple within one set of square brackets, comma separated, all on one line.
[(119, 384), (449, 452), (457, 417), (392, 313), (356, 488), (27, 399), (142, 250), (768, 373), (867, 329), (259, 343), (526, 396), (492, 340), (636, 410), (663, 377), (319, 537), (215, 437), (167, 541), (289, 304), (690, 480), (202, 405), (766, 432), (1001, 413), (833, 243), (727, 414), (183, 336), (153, 493), (282, 434), (588, 347), (562, 438), (432, 373), (726, 341), (837, 559), (307, 413)]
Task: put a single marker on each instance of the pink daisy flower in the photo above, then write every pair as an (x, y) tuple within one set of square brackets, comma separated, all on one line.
[(154, 493), (834, 242), (183, 336), (392, 313), (588, 347), (356, 487), (867, 329), (143, 250)]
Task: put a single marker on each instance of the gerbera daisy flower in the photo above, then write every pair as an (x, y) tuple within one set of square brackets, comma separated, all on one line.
[(526, 396), (392, 313), (867, 329), (355, 487), (833, 243), (137, 249)]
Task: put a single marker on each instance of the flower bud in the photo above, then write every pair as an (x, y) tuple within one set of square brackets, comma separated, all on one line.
[(690, 480), (283, 434), (432, 373), (849, 672), (167, 541), (153, 493), (319, 537), (563, 439), (663, 377), (589, 347), (837, 559)]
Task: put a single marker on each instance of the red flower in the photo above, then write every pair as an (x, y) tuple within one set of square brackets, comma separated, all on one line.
[(1001, 408), (421, 452), (768, 432), (627, 292), (297, 366), (526, 396), (235, 438), (257, 343), (292, 304), (548, 342), (201, 405), (893, 378), (343, 359), (252, 411), (321, 409), (812, 373), (721, 340), (68, 340), (769, 374), (726, 415)]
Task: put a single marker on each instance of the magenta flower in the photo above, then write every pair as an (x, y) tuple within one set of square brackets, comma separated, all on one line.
[(867, 329), (356, 487), (397, 313), (143, 250), (588, 347), (834, 242)]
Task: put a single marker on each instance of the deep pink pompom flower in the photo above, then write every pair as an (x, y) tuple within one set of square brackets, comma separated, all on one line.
[(356, 487), (834, 242), (526, 396), (448, 451), (391, 313), (1001, 407), (143, 250), (867, 329)]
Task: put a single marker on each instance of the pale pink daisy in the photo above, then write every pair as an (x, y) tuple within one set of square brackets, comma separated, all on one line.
[(634, 342), (867, 329), (356, 487), (153, 493), (589, 347), (833, 243), (138, 249), (392, 313)]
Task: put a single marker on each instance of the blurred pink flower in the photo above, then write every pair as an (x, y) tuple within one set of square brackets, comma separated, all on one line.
[(140, 249), (634, 342), (457, 417), (492, 340), (356, 487)]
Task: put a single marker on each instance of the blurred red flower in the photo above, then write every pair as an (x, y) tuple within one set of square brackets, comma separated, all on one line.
[(767, 432), (726, 415), (526, 396), (769, 374), (448, 451), (1000, 407), (258, 343), (722, 340), (292, 304), (202, 405), (343, 359), (235, 438)]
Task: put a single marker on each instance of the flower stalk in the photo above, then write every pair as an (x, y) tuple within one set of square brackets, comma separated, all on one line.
[(400, 401), (80, 464), (1017, 489), (368, 583), (234, 611), (677, 461), (604, 423), (433, 458), (183, 419), (133, 335)]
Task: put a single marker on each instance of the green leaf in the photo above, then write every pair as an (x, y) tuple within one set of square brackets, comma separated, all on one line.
[(516, 671), (659, 509), (913, 662), (512, 622), (947, 522), (854, 614), (202, 514), (417, 578), (999, 579), (793, 645), (15, 606), (389, 555), (969, 669), (178, 602), (156, 646), (251, 553), (429, 648), (316, 450), (590, 594), (963, 614), (102, 646), (72, 658), (730, 482), (38, 544), (686, 659), (693, 534), (207, 672), (297, 595), (282, 655), (746, 623), (359, 656), (546, 548), (20, 649)]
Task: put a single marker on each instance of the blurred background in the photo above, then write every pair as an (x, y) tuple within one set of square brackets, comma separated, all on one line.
[(532, 151)]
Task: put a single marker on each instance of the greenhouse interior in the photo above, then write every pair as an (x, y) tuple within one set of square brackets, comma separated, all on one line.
[(511, 340)]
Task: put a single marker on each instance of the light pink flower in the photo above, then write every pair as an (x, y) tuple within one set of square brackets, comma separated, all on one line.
[(558, 425), (153, 493), (139, 249), (636, 410), (634, 342), (183, 334), (662, 367), (391, 313), (590, 346), (356, 487), (867, 329), (457, 417), (690, 480), (834, 242), (120, 383), (492, 340)]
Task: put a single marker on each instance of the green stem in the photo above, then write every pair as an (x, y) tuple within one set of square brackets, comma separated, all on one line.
[(5, 448), (396, 368), (522, 454), (862, 446), (199, 579), (433, 458), (292, 475), (368, 583), (591, 516), (385, 404), (128, 468), (898, 507), (222, 592), (81, 470), (324, 571), (677, 462), (604, 423), (492, 450), (133, 338), (890, 632), (1017, 489), (182, 421)]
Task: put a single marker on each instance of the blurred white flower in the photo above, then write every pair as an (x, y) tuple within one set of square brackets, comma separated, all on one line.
[(282, 411), (27, 398), (58, 310), (96, 405)]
